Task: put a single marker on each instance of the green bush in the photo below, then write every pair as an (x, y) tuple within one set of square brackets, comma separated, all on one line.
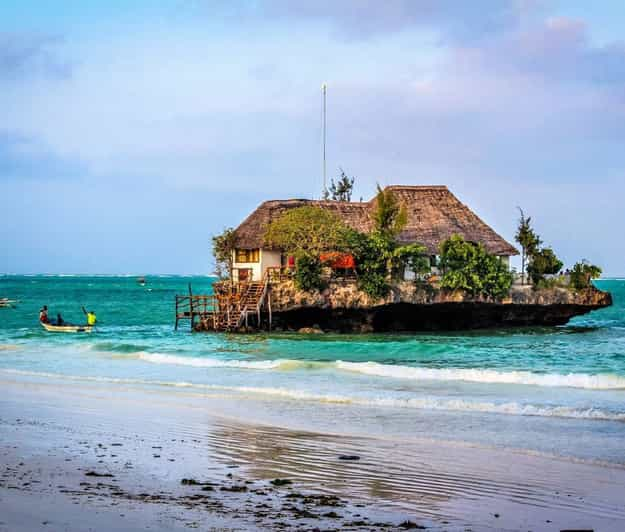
[(583, 273), (413, 257), (308, 273), (372, 255), (469, 267), (543, 262)]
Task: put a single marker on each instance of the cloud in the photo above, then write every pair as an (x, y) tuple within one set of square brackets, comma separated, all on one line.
[(26, 157), (559, 48), (31, 55), (358, 19)]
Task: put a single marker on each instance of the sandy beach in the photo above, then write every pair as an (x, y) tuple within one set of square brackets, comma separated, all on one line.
[(105, 458)]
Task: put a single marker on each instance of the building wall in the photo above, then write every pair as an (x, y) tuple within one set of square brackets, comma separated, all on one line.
[(268, 259), (254, 266)]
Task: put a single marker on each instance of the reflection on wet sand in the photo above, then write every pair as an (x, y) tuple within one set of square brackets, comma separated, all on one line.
[(440, 480)]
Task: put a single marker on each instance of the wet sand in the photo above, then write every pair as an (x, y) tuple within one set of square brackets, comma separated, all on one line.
[(105, 457)]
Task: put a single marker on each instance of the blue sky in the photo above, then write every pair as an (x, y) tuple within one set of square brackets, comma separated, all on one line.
[(132, 132)]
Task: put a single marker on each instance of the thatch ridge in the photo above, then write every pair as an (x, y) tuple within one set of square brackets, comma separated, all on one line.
[(434, 214)]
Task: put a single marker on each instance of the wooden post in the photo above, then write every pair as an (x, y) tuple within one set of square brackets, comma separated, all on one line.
[(191, 307), (269, 305)]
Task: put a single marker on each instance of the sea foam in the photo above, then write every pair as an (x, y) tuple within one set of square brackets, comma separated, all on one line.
[(487, 376), (490, 376), (417, 403)]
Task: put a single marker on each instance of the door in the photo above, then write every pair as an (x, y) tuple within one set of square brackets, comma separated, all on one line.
[(245, 275)]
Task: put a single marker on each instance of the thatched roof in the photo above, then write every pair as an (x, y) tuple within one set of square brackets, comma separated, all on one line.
[(434, 214)]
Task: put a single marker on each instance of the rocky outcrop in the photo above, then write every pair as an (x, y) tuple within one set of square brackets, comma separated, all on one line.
[(342, 307)]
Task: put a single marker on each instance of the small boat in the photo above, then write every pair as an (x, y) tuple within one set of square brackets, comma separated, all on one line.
[(67, 328), (141, 281), (5, 302)]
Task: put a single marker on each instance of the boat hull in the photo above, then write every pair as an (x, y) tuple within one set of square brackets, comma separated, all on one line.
[(67, 328)]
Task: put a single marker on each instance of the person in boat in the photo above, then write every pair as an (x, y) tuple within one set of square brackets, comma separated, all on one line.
[(59, 319), (43, 314), (91, 317)]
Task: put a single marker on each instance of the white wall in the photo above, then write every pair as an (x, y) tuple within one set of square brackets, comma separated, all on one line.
[(254, 266), (268, 259)]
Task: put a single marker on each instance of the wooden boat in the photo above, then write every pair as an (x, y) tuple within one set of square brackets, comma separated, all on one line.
[(67, 328)]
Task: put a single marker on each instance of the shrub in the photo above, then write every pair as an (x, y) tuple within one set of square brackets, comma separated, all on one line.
[(469, 267), (544, 262), (307, 230), (308, 273), (223, 246), (413, 257), (371, 254), (583, 273)]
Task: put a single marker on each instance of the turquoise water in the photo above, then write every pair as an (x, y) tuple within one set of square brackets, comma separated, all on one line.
[(554, 390)]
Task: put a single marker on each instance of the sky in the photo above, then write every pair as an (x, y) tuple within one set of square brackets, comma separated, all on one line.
[(131, 132)]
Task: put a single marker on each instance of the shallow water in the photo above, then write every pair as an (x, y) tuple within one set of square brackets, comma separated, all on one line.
[(554, 390)]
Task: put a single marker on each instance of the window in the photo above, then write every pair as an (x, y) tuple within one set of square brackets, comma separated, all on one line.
[(247, 255)]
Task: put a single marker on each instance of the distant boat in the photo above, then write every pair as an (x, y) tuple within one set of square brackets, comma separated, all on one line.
[(141, 281), (68, 328), (5, 302)]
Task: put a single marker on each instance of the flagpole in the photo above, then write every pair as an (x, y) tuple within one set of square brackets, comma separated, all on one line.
[(324, 88)]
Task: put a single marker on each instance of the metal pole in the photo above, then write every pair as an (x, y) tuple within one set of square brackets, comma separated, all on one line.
[(324, 88)]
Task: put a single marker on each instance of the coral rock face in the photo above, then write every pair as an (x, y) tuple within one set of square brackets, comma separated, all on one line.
[(343, 307)]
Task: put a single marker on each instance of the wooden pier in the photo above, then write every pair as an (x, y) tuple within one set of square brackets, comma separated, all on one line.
[(232, 307)]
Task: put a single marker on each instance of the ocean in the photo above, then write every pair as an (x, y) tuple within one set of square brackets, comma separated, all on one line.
[(558, 391)]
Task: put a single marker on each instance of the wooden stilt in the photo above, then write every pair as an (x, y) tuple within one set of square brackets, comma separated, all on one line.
[(269, 306), (191, 308)]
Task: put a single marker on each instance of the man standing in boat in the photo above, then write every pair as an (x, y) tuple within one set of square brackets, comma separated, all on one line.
[(91, 317), (43, 314)]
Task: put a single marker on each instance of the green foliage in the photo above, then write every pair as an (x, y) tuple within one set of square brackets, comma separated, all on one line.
[(308, 273), (544, 262), (342, 189), (389, 216), (583, 273), (307, 231), (371, 255), (223, 246), (379, 260), (469, 267), (413, 257), (528, 239)]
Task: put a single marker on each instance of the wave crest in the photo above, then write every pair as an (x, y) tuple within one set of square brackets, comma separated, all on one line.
[(375, 369), (489, 376)]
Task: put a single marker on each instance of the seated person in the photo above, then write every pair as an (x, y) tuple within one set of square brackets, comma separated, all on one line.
[(43, 314)]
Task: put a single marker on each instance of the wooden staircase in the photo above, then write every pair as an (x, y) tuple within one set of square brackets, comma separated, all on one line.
[(228, 309)]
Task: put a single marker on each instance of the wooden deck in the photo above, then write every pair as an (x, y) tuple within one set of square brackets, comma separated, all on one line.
[(233, 307)]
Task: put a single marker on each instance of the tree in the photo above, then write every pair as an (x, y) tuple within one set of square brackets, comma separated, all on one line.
[(413, 257), (544, 262), (223, 247), (583, 273), (389, 216), (528, 240), (342, 189), (469, 267), (307, 232), (371, 255)]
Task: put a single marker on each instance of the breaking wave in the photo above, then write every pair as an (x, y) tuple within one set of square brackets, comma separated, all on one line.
[(489, 376), (279, 364), (418, 403)]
